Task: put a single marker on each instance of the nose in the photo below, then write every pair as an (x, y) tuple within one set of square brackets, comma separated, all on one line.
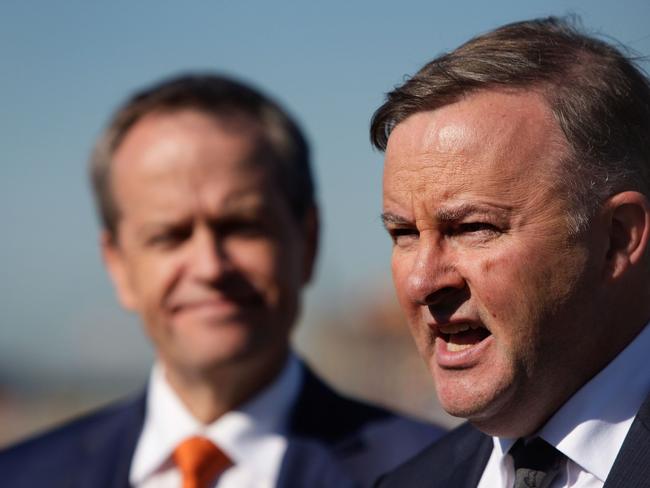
[(209, 262), (434, 279)]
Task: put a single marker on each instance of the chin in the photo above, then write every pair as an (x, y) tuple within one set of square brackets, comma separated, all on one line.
[(493, 415), (470, 397), (457, 406)]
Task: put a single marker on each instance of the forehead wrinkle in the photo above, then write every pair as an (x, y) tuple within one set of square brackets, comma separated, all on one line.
[(443, 154), (447, 186)]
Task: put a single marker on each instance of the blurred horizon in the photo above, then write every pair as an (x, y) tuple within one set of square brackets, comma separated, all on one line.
[(66, 68)]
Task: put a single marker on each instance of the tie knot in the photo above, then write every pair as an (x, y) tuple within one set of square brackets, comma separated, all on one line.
[(537, 463), (199, 461)]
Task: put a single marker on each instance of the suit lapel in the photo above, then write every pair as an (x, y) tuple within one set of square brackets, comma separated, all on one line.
[(107, 450), (632, 465), (457, 460), (469, 471), (469, 455), (321, 417), (320, 413), (308, 463)]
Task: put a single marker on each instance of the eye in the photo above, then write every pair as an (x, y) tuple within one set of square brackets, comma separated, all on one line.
[(243, 228), (482, 230), (476, 227), (402, 236), (168, 238)]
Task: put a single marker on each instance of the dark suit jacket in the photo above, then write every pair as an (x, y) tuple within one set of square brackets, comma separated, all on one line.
[(459, 458), (333, 442)]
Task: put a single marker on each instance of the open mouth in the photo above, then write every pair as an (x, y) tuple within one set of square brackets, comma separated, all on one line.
[(459, 337)]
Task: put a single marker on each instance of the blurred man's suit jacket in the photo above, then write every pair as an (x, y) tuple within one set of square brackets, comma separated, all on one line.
[(359, 441)]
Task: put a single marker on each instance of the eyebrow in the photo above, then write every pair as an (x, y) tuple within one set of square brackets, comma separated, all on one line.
[(389, 218), (231, 209), (445, 214), (457, 212)]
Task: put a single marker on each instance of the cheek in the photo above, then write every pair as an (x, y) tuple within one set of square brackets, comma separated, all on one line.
[(400, 271), (157, 278), (401, 266), (145, 275), (264, 264), (154, 279), (498, 284), (515, 294)]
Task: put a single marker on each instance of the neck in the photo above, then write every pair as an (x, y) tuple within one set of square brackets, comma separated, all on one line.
[(208, 394)]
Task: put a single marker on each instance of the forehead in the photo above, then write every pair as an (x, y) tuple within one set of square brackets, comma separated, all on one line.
[(170, 158), (494, 139), (167, 137)]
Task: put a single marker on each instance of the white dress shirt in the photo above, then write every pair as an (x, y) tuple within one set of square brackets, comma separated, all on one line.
[(589, 428), (253, 436)]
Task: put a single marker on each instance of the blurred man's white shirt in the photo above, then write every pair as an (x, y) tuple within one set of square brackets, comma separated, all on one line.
[(253, 436)]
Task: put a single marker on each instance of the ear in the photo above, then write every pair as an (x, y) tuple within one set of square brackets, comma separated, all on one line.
[(115, 263), (311, 232), (629, 231)]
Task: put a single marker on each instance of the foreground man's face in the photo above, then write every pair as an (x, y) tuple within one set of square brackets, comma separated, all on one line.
[(208, 252), (495, 290)]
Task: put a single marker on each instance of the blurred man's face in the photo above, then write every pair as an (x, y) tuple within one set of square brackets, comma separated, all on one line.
[(496, 290), (207, 251)]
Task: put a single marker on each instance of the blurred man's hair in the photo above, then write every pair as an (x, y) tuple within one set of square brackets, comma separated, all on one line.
[(228, 101), (599, 96)]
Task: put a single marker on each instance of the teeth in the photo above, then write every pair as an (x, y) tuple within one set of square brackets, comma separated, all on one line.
[(454, 328), (453, 347)]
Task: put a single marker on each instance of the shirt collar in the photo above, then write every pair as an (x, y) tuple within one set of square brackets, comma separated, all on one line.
[(591, 426), (257, 426)]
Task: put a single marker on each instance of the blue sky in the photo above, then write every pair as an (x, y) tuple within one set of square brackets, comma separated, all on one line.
[(66, 65)]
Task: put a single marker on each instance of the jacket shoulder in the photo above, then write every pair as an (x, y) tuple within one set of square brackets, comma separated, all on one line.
[(369, 440), (325, 415), (54, 454), (457, 459)]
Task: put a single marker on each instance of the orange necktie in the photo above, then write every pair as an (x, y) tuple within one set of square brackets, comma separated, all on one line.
[(200, 462)]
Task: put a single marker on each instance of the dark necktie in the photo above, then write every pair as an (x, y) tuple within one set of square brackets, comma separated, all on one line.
[(537, 463)]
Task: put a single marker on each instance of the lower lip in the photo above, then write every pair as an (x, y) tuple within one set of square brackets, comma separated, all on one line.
[(220, 308), (461, 359)]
